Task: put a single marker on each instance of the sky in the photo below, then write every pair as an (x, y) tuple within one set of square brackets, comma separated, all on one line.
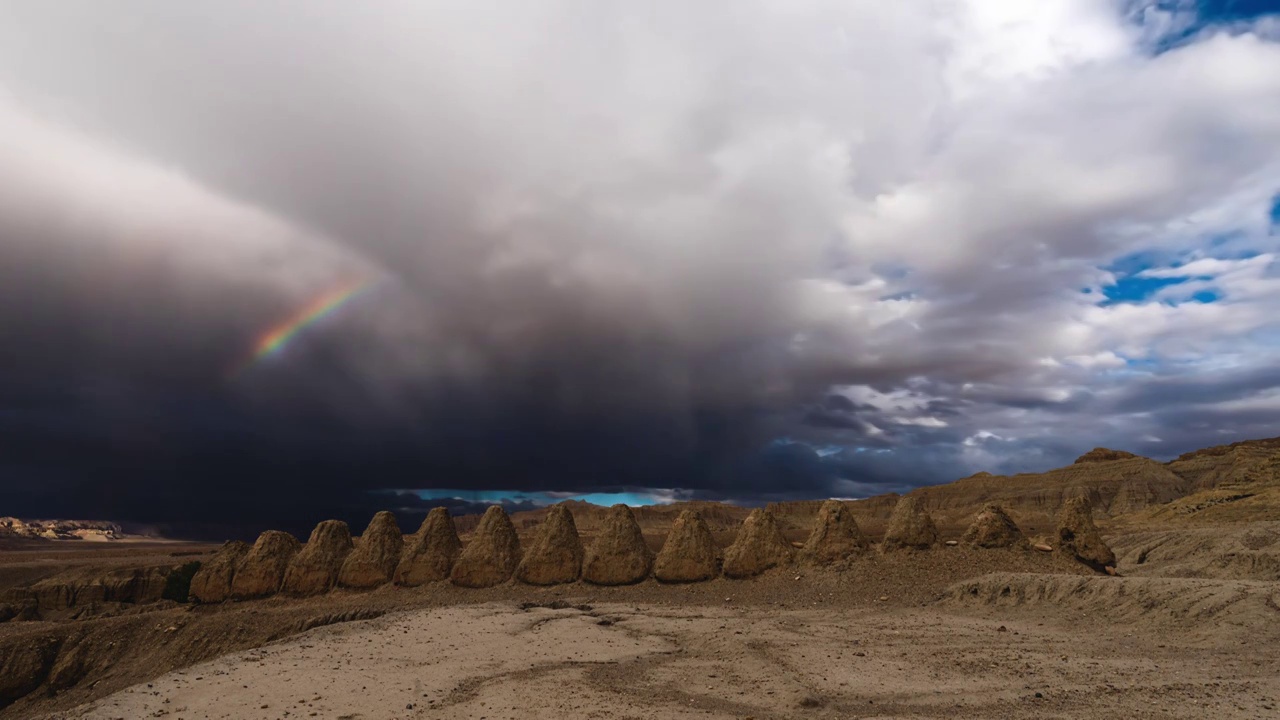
[(267, 263)]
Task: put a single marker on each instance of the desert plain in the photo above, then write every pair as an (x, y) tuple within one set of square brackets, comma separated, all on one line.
[(1184, 624)]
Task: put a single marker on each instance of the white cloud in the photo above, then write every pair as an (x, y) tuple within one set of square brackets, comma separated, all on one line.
[(611, 212)]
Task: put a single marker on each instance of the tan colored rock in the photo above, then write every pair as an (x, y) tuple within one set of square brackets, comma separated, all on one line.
[(374, 559), (491, 556), (314, 570), (993, 528), (758, 547), (835, 536), (212, 582), (431, 553), (1078, 535), (689, 553), (555, 555), (910, 527), (618, 555), (262, 570)]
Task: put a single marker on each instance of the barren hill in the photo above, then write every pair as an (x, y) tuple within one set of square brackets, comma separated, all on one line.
[(1124, 488), (1215, 484), (1232, 483)]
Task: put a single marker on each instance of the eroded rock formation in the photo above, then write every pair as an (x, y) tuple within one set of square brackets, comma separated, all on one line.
[(910, 527), (430, 555), (212, 582), (491, 556), (758, 547), (993, 528), (555, 554), (1078, 535), (374, 559), (689, 553), (835, 536), (314, 570), (262, 570), (618, 555)]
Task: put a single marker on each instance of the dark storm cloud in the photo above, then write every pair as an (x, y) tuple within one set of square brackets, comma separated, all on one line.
[(1162, 392), (607, 247)]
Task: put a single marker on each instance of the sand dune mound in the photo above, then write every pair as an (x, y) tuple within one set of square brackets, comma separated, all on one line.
[(758, 547), (993, 528), (1242, 552), (1078, 535), (1176, 601), (835, 536), (689, 553), (618, 555), (491, 556), (263, 568), (315, 568), (555, 554), (431, 553), (910, 527), (212, 582)]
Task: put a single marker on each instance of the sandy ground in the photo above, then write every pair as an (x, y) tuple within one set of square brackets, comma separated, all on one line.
[(616, 660)]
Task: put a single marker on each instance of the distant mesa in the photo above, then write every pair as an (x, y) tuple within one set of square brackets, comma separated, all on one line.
[(835, 536), (618, 555), (314, 570), (1104, 455), (89, 530), (911, 527), (689, 553), (262, 571), (555, 554), (212, 582), (375, 557), (491, 556), (993, 528), (430, 555), (758, 547)]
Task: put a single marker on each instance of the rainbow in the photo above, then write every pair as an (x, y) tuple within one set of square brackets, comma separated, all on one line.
[(278, 336)]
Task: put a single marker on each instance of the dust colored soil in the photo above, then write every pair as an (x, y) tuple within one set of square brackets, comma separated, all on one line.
[(904, 635), (622, 660)]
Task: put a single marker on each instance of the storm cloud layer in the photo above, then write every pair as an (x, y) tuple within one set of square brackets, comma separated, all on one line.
[(741, 250)]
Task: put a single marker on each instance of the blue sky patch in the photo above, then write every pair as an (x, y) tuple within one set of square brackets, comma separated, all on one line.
[(634, 499), (1134, 289), (1232, 10), (1191, 18)]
